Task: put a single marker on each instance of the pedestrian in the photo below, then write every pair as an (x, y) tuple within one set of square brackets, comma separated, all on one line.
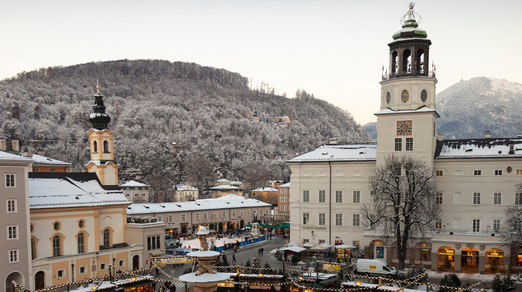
[(262, 251), (157, 271), (173, 288), (233, 258)]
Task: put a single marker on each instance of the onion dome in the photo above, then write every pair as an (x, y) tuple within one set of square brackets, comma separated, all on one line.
[(99, 119), (410, 27)]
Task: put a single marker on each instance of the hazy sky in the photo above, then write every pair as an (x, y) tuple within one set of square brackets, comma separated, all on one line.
[(333, 49)]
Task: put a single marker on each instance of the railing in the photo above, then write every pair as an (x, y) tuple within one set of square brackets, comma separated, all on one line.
[(405, 75)]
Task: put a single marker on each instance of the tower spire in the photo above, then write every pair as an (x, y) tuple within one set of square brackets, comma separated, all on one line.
[(99, 119)]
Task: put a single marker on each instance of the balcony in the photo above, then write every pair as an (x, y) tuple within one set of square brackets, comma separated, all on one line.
[(406, 75)]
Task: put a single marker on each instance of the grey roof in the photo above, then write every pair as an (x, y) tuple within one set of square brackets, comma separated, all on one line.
[(479, 148)]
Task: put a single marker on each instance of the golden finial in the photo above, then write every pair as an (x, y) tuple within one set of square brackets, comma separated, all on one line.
[(97, 86)]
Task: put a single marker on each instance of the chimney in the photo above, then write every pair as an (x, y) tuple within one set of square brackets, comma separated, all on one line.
[(511, 149), (15, 144), (488, 134), (441, 137), (3, 145), (27, 154)]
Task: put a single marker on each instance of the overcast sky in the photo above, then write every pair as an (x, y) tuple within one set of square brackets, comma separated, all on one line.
[(333, 49)]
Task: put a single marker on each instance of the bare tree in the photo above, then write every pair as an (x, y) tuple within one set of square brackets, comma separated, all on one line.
[(199, 171), (513, 224), (255, 174), (403, 201)]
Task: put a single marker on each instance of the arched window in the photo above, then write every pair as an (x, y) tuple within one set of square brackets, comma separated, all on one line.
[(57, 243), (106, 238), (394, 63), (419, 62), (81, 243), (105, 146), (94, 147), (406, 61)]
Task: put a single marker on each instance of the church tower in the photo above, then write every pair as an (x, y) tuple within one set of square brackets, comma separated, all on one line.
[(406, 122), (100, 140)]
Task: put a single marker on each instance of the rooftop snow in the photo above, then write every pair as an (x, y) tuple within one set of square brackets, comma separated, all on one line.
[(133, 183), (63, 191), (46, 160), (265, 189), (362, 152), (225, 202), (224, 187), (9, 156), (423, 109), (480, 148), (287, 185)]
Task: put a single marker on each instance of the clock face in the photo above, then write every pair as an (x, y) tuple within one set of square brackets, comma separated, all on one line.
[(404, 128)]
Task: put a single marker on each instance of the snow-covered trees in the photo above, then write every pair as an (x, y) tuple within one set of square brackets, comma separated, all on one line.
[(513, 223), (153, 103), (403, 201)]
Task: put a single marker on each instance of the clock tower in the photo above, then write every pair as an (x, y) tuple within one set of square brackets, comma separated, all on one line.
[(406, 122)]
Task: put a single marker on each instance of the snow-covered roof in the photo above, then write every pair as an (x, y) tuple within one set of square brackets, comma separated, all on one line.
[(224, 187), (359, 152), (9, 156), (224, 202), (265, 189), (223, 180), (479, 148), (65, 190), (287, 185), (423, 109), (46, 160), (294, 248), (133, 184), (184, 187)]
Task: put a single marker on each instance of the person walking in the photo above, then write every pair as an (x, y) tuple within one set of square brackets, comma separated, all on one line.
[(233, 258)]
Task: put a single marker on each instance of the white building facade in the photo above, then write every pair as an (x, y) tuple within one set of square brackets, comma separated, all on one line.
[(475, 178)]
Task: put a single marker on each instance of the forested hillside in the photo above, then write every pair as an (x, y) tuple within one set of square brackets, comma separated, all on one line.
[(154, 103)]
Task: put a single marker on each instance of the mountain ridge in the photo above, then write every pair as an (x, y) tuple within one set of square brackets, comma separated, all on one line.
[(209, 113)]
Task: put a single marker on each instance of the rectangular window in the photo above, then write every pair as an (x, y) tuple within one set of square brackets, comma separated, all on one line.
[(224, 214), (10, 181), (285, 199), (12, 232), (234, 214), (498, 172), (11, 206), (476, 198), (338, 196), (284, 207), (519, 171), (281, 208), (439, 173), (476, 225), (121, 263), (306, 218), (497, 198), (60, 273), (13, 256), (83, 269), (197, 216), (518, 198), (205, 216), (438, 198), (306, 196), (398, 144), (322, 219), (496, 225), (339, 219), (322, 196), (102, 266), (438, 224), (356, 197), (280, 199), (183, 217), (397, 169), (356, 220), (409, 144), (477, 172)]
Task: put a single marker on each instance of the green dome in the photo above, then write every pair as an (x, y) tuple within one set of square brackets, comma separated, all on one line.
[(99, 119)]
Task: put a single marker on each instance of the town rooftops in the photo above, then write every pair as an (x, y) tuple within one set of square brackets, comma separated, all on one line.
[(133, 184), (224, 202), (265, 189), (66, 190), (184, 187), (287, 185), (4, 156)]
